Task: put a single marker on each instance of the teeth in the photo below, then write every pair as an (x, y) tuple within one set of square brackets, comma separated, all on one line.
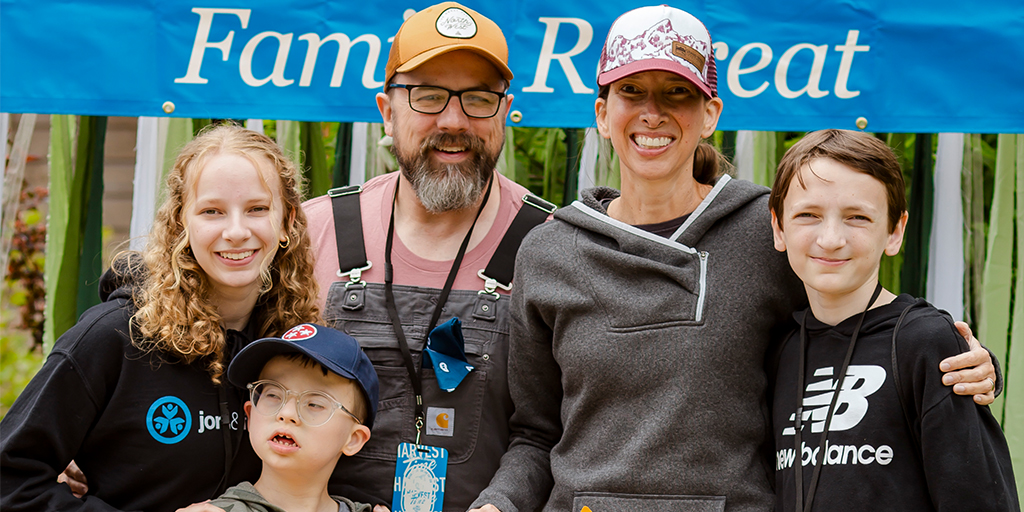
[(651, 142), (237, 255), (283, 439), (451, 149)]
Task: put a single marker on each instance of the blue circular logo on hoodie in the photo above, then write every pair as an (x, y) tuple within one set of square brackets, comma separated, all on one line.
[(168, 420)]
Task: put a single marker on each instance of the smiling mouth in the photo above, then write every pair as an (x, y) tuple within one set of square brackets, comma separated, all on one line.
[(236, 255), (651, 142), (450, 149), (830, 261)]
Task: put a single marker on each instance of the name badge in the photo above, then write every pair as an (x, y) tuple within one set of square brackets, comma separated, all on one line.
[(419, 478)]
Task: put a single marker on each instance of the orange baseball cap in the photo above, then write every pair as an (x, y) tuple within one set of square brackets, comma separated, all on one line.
[(443, 28)]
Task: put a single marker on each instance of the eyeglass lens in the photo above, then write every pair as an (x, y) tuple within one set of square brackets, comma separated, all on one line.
[(432, 100), (314, 408)]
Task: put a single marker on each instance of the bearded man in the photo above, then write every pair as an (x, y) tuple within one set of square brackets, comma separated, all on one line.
[(431, 229)]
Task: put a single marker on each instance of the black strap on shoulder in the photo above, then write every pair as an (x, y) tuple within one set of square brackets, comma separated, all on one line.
[(348, 228), (503, 262), (907, 416)]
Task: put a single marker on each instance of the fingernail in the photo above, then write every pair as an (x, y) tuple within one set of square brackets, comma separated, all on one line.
[(959, 388), (947, 379), (944, 367)]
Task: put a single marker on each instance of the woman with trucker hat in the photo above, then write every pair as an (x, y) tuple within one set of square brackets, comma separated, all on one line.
[(643, 316)]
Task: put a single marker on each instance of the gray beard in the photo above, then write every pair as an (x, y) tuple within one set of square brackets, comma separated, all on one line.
[(447, 187)]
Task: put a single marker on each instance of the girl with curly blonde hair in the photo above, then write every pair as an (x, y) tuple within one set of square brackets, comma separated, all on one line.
[(134, 391)]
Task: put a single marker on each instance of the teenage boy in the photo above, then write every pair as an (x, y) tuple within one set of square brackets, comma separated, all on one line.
[(893, 436), (313, 397)]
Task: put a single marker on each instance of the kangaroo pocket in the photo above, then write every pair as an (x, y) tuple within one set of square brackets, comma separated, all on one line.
[(613, 502)]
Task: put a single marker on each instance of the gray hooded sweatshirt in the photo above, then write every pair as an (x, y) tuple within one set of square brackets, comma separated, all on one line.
[(245, 498), (636, 361)]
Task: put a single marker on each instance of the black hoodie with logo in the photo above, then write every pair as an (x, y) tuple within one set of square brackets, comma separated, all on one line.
[(146, 430), (945, 453)]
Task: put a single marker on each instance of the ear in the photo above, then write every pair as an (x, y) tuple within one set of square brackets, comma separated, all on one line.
[(777, 234), (384, 106), (712, 111), (601, 114), (508, 104), (356, 439), (892, 247), (248, 409)]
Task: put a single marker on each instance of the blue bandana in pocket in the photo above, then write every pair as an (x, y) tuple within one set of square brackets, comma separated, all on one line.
[(446, 352)]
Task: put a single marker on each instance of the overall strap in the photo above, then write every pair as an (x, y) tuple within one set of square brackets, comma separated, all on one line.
[(498, 273), (348, 231)]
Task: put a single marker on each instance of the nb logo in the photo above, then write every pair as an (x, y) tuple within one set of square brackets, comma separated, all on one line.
[(168, 420), (861, 381)]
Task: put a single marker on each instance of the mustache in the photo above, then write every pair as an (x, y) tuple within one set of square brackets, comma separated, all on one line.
[(465, 140)]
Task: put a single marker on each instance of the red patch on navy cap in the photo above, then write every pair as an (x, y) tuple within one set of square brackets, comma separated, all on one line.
[(300, 332)]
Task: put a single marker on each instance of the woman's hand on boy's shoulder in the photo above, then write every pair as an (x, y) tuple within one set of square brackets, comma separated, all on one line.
[(486, 508), (201, 507), (972, 372)]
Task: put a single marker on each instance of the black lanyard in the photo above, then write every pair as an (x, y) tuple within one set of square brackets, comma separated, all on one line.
[(389, 297), (797, 441)]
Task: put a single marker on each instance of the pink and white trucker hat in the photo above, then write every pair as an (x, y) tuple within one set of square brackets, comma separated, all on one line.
[(659, 38)]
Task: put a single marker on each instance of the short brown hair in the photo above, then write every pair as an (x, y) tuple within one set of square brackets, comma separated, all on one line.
[(857, 150)]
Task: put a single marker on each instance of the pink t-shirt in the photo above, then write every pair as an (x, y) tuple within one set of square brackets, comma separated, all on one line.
[(409, 269)]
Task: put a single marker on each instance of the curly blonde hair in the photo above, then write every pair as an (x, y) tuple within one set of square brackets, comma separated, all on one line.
[(174, 314)]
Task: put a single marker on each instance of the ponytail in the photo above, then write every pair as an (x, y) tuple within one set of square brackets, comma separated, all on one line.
[(708, 164)]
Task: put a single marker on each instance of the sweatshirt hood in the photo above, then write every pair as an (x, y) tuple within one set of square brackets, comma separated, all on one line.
[(126, 273), (878, 320), (588, 213)]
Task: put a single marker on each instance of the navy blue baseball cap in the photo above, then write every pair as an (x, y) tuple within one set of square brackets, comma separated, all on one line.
[(335, 350)]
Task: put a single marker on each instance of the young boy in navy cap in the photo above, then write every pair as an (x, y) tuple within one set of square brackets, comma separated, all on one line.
[(861, 419), (335, 392)]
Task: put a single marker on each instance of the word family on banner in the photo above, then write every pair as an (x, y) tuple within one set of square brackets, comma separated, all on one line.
[(917, 66)]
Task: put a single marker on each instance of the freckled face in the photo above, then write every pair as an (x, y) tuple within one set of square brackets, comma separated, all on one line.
[(835, 230), (234, 220), (655, 119)]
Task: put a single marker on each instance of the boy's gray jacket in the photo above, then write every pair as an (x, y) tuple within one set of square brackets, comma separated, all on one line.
[(245, 498), (636, 363)]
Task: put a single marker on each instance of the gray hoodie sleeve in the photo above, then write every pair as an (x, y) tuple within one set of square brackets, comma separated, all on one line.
[(524, 480)]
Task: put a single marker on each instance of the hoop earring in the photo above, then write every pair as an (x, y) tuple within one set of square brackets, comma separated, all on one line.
[(286, 242)]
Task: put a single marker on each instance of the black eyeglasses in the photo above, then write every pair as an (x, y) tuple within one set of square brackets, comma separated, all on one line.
[(429, 99)]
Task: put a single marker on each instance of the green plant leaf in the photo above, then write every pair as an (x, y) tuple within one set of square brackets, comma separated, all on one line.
[(998, 272), (61, 240), (1013, 389), (314, 165)]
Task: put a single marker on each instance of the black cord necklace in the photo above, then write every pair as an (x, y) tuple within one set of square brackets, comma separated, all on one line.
[(389, 298), (797, 439)]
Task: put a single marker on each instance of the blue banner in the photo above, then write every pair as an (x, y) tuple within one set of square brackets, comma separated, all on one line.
[(913, 66)]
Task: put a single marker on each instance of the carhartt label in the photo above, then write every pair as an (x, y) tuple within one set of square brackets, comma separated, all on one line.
[(440, 421)]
